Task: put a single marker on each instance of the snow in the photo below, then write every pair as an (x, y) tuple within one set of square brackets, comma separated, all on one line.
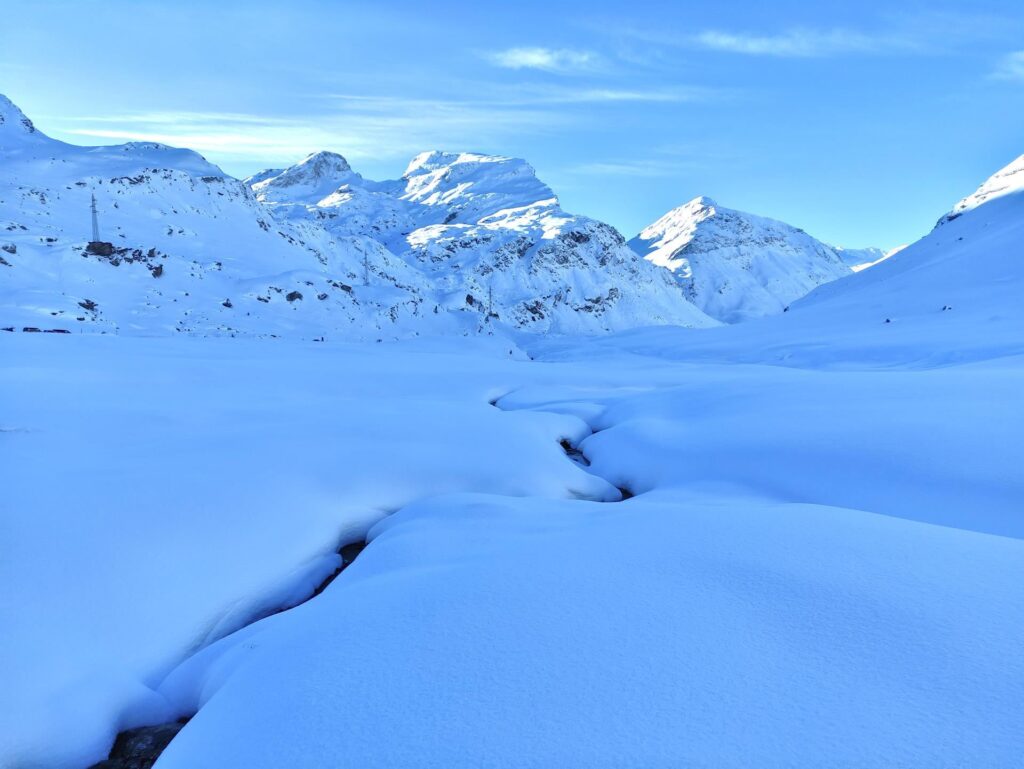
[(485, 228), (463, 244), (858, 259), (674, 631), (736, 266), (1006, 181), (821, 564)]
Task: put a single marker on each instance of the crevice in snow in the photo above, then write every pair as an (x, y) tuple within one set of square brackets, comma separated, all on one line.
[(140, 746)]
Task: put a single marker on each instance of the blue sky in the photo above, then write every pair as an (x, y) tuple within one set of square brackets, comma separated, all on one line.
[(860, 122)]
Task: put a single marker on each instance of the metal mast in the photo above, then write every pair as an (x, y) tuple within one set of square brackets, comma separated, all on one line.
[(95, 222)]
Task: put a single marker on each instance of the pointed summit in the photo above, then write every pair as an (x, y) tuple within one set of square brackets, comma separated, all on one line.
[(308, 181), (14, 124), (736, 266)]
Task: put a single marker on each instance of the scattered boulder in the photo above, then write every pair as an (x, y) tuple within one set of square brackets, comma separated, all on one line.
[(291, 296)]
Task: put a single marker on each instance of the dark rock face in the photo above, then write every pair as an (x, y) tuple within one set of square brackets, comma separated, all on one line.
[(140, 748), (99, 248)]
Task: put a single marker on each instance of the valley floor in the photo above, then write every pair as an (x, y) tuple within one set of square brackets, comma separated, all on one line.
[(816, 565)]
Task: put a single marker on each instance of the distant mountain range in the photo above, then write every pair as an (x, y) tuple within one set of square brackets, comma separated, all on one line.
[(461, 243)]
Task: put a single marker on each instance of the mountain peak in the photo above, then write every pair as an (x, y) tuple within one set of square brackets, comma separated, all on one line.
[(324, 162), (435, 160), (13, 120), (311, 179), (701, 201), (736, 266)]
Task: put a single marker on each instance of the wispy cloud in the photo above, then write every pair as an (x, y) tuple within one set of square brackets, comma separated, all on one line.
[(547, 59), (804, 43), (374, 127), (360, 128), (1010, 67)]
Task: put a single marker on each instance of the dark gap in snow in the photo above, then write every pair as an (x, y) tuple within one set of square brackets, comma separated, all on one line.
[(625, 492), (139, 748), (574, 453), (348, 554)]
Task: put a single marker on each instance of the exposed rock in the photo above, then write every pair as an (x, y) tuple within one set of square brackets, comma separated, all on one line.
[(139, 748), (100, 248)]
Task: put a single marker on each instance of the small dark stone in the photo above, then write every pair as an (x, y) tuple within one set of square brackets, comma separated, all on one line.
[(227, 303), (291, 296), (87, 304), (31, 329)]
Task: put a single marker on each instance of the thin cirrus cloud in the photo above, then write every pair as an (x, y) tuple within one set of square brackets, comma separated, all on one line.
[(546, 59), (1010, 67), (804, 43), (368, 126), (360, 130)]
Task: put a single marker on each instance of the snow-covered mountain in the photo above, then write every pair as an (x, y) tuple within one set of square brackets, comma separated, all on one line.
[(192, 250), (489, 237), (858, 259), (459, 244), (736, 266)]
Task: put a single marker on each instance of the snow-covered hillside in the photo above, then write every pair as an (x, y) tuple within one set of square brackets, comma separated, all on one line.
[(489, 237), (1006, 181), (462, 243), (193, 250), (736, 266)]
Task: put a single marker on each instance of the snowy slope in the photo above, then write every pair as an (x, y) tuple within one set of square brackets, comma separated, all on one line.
[(195, 252), (736, 266), (490, 237), (960, 285), (1006, 181)]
